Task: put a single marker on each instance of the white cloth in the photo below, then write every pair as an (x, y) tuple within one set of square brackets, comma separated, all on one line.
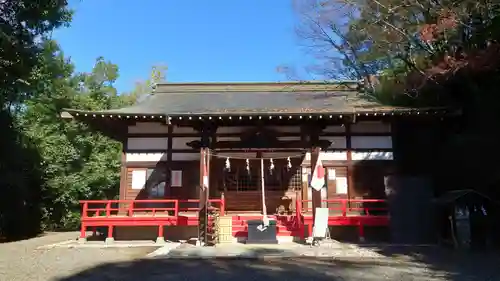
[(318, 175)]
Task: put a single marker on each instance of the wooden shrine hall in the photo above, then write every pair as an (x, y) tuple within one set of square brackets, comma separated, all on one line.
[(195, 150)]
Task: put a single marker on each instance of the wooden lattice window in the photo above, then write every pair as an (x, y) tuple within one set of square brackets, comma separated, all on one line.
[(292, 178), (239, 178), (247, 180)]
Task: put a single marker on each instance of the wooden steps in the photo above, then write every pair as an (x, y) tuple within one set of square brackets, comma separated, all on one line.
[(285, 225), (252, 200)]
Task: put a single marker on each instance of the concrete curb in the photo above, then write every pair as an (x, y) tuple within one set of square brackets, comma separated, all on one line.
[(234, 257), (54, 245), (374, 245), (70, 244), (376, 260)]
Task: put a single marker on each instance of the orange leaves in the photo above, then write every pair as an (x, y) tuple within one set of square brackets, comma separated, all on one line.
[(447, 20), (428, 32)]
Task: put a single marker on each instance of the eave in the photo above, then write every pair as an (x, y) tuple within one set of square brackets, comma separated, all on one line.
[(382, 112)]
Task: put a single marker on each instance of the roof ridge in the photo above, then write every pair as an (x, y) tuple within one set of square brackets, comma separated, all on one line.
[(254, 87), (330, 92), (301, 82)]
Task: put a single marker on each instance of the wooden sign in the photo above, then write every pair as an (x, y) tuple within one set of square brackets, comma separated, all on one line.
[(341, 184), (331, 174), (176, 179), (320, 228), (138, 179)]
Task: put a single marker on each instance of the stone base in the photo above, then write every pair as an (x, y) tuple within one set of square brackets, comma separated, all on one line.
[(82, 240), (109, 240), (160, 240), (262, 241), (172, 233), (281, 240)]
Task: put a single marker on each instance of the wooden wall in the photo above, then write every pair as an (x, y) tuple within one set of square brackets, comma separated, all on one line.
[(358, 155)]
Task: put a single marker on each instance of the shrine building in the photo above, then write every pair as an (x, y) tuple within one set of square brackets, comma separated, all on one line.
[(245, 150)]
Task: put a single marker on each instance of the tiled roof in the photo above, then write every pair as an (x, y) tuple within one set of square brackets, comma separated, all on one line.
[(198, 99)]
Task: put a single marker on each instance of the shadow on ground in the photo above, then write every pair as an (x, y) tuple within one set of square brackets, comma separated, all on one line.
[(458, 264), (392, 268)]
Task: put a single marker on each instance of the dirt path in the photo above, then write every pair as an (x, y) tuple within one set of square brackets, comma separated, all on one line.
[(23, 261), (277, 269)]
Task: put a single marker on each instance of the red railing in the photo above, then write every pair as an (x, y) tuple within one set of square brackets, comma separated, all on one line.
[(366, 207), (169, 207), (367, 212), (163, 212), (111, 213)]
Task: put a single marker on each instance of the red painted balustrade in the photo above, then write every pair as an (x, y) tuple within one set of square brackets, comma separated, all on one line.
[(173, 212), (161, 212), (345, 212), (365, 207)]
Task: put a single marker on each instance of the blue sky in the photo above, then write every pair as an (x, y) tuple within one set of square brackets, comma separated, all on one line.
[(218, 40)]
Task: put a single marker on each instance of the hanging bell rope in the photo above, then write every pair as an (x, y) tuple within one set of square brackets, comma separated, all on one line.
[(265, 219)]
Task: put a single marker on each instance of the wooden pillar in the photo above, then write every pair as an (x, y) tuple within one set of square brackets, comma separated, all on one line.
[(310, 132), (206, 134), (203, 189), (315, 194), (304, 189), (203, 204), (170, 141), (350, 167), (122, 206)]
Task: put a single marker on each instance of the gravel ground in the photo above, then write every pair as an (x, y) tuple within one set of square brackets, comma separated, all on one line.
[(23, 261)]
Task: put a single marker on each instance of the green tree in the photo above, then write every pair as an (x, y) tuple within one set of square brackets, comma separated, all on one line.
[(23, 26), (78, 163), (48, 164), (157, 75)]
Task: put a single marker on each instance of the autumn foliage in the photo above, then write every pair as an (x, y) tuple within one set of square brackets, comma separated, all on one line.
[(410, 45), (422, 53), (446, 21)]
